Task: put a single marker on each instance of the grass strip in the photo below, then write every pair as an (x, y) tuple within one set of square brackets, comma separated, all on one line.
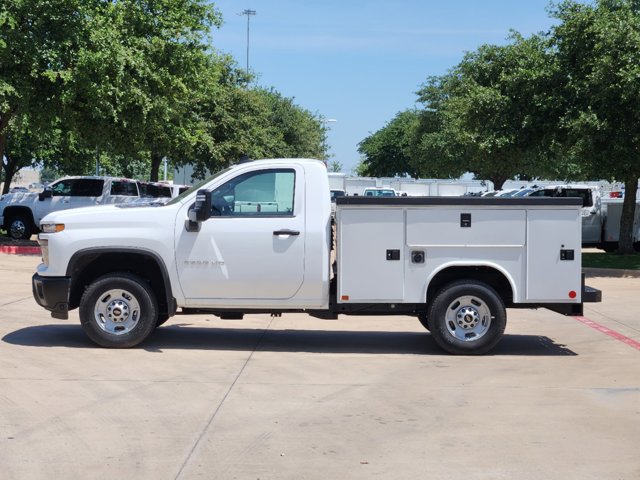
[(611, 260)]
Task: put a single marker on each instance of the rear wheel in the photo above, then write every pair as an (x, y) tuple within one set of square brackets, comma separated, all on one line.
[(118, 311), (467, 317)]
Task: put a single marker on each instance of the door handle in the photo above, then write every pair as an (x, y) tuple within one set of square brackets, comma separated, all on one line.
[(286, 232)]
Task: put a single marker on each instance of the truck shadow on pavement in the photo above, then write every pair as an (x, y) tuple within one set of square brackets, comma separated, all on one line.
[(185, 337)]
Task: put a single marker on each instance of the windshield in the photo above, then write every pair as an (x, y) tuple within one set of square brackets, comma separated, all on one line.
[(197, 186), (380, 193)]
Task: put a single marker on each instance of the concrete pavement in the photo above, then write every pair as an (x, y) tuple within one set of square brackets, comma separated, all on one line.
[(301, 398)]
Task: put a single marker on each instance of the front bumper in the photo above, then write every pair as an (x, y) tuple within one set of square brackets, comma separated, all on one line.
[(52, 293)]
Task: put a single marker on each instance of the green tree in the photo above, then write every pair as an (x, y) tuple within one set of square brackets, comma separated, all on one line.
[(387, 152), (133, 83), (486, 115), (39, 42), (335, 166), (598, 50), (299, 132), (438, 148), (259, 123), (21, 147)]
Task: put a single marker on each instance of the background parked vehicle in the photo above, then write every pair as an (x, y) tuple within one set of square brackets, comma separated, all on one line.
[(379, 192), (337, 193), (592, 214), (161, 190), (21, 213)]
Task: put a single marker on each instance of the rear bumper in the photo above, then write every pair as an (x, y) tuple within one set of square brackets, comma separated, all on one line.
[(591, 295), (588, 295), (52, 293)]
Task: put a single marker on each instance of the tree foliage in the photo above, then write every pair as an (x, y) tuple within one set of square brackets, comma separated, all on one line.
[(39, 41), (386, 152), (131, 82), (558, 105), (487, 115), (598, 50)]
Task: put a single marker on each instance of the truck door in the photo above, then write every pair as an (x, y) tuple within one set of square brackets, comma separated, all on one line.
[(592, 218), (252, 246)]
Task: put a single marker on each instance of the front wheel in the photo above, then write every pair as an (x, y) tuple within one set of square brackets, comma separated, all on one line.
[(467, 317), (19, 227), (118, 311)]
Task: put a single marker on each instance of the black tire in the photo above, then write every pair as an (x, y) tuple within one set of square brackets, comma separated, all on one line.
[(118, 310), (424, 321), (19, 227), (467, 318)]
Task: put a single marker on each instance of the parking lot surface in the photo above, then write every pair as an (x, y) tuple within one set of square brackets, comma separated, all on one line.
[(301, 398)]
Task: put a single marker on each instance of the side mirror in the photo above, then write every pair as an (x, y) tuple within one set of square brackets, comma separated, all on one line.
[(201, 210), (46, 193)]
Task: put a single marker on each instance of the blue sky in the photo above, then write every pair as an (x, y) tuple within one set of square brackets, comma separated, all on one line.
[(362, 62)]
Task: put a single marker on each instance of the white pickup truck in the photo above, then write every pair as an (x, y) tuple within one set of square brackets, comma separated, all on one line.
[(21, 213), (257, 238), (600, 216)]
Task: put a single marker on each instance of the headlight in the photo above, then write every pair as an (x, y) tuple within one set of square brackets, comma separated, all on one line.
[(51, 227)]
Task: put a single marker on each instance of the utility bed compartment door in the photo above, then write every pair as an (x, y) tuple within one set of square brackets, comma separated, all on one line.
[(371, 255), (460, 227), (554, 260)]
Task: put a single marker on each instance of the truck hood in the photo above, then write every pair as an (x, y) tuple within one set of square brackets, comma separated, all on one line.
[(118, 216), (18, 199)]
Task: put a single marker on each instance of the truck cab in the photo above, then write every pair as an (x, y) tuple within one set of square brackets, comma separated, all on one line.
[(254, 235)]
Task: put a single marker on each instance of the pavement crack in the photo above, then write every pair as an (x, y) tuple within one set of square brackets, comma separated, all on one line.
[(219, 407), (16, 301)]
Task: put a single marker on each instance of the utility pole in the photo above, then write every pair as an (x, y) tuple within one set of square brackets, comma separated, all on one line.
[(249, 13)]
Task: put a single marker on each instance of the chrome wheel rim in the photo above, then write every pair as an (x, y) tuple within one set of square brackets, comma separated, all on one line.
[(117, 312), (17, 229), (468, 318)]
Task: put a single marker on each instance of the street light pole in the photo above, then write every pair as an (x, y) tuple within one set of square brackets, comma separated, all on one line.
[(248, 13)]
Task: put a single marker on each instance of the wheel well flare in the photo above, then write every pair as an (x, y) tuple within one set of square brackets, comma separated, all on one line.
[(486, 274), (85, 269)]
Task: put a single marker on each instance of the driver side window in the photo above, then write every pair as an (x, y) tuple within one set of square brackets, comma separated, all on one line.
[(62, 188), (264, 193)]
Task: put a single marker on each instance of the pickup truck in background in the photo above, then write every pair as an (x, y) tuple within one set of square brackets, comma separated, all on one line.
[(258, 238), (21, 213), (611, 216), (379, 192), (600, 216), (591, 211), (161, 189)]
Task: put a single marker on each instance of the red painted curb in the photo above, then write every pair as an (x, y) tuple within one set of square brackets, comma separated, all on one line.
[(607, 331), (19, 250)]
